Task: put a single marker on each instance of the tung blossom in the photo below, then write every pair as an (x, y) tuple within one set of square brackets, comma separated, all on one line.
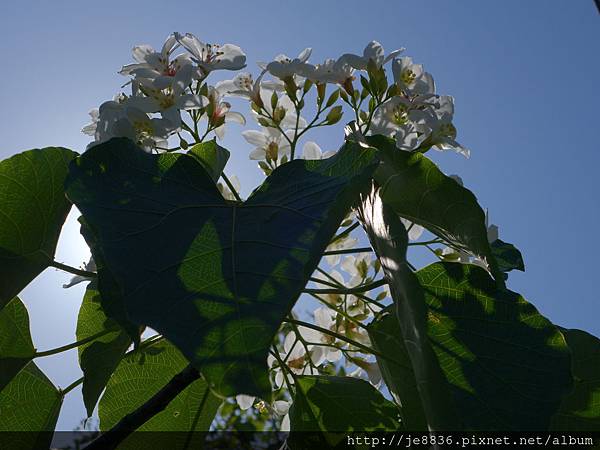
[(156, 66), (373, 52), (284, 67), (270, 143), (211, 57)]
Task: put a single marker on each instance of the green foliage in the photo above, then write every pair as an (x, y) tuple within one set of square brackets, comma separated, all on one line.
[(140, 375), (32, 214), (98, 358), (16, 347), (507, 366), (214, 277), (29, 403), (330, 404), (212, 156), (419, 191), (507, 256), (386, 338), (580, 409), (389, 240)]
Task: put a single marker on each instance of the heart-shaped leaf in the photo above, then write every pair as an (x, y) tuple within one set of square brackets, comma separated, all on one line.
[(98, 358), (212, 156), (324, 405), (419, 191), (33, 208), (580, 409), (139, 376), (29, 407), (215, 277), (507, 256), (16, 347), (508, 367)]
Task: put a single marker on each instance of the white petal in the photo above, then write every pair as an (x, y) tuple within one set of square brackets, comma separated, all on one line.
[(258, 154), (244, 401), (311, 150), (255, 138), (235, 117), (285, 423)]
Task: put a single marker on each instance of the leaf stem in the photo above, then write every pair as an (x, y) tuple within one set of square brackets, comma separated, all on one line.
[(363, 347), (231, 188), (158, 402), (72, 386), (72, 345), (73, 270), (349, 250), (354, 290), (346, 232)]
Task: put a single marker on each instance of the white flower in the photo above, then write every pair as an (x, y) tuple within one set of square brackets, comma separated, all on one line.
[(395, 119), (343, 243), (171, 100), (414, 230), (374, 52), (411, 78), (324, 318), (156, 66), (90, 266), (281, 407), (285, 424), (90, 128), (296, 358), (371, 369), (142, 129), (311, 150), (242, 85), (221, 112), (212, 56), (332, 71), (438, 128), (226, 192), (244, 401), (357, 267), (284, 67), (269, 143)]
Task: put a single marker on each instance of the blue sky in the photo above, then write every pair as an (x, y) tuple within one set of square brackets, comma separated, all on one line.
[(524, 76)]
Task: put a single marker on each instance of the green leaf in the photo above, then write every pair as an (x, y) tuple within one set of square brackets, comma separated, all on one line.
[(33, 209), (98, 358), (330, 404), (29, 407), (16, 347), (212, 156), (507, 366), (580, 410), (215, 277), (139, 376), (508, 256), (389, 239), (386, 337), (417, 190)]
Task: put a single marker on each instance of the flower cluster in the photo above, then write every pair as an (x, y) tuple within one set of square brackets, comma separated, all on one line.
[(163, 86), (170, 95)]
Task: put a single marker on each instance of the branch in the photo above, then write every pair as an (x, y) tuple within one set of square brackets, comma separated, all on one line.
[(132, 421), (354, 290), (73, 270)]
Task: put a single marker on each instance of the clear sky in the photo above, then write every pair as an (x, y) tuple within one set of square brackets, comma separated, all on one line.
[(524, 75)]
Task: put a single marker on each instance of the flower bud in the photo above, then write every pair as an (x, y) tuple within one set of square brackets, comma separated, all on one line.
[(334, 115)]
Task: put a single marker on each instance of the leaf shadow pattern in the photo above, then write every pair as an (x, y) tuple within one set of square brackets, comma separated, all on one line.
[(580, 410), (508, 367), (215, 277)]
